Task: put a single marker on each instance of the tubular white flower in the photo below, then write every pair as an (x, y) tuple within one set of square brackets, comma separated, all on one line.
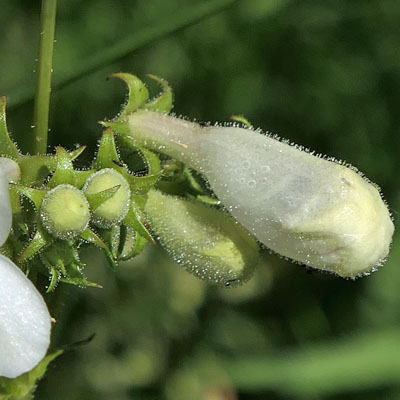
[(312, 210), (24, 319)]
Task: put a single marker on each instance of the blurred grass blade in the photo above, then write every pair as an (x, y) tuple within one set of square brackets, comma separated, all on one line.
[(353, 364), (176, 20)]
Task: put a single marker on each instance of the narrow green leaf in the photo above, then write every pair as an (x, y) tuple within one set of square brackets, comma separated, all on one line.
[(76, 153), (7, 146), (181, 18), (137, 95), (164, 102), (97, 199)]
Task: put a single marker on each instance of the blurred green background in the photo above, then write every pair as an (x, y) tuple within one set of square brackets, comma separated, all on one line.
[(325, 74)]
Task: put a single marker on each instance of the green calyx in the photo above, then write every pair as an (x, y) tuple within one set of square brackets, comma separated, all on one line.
[(116, 193), (65, 212)]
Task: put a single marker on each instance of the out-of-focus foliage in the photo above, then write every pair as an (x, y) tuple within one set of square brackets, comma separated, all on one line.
[(325, 74)]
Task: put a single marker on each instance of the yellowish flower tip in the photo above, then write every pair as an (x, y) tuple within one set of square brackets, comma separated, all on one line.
[(206, 242), (65, 212), (313, 210), (114, 209)]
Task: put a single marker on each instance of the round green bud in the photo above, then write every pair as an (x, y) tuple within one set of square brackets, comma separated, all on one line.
[(113, 210), (65, 212), (207, 242)]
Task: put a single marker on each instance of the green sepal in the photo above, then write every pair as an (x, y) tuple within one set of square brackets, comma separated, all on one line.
[(113, 239), (23, 386), (140, 243), (76, 277), (107, 155), (64, 173), (7, 146), (82, 176), (138, 93), (74, 154), (38, 242), (97, 199), (242, 120), (35, 169), (151, 159), (134, 220), (163, 102), (121, 126), (91, 237), (35, 195)]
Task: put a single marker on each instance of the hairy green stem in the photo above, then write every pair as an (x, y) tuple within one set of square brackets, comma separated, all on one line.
[(42, 97)]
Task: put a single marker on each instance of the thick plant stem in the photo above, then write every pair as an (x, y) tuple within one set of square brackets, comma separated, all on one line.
[(43, 88)]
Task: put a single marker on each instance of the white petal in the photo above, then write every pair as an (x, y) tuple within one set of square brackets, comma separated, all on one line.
[(24, 322), (5, 210), (9, 171)]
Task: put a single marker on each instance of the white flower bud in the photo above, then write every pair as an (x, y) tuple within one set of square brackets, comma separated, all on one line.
[(312, 210)]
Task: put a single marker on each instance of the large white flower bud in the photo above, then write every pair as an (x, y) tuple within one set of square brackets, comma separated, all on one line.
[(312, 210)]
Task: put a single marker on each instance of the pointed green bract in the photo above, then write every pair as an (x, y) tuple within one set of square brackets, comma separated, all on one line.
[(7, 146), (107, 155), (35, 195), (64, 173), (138, 93), (97, 199), (39, 241), (134, 220), (164, 102)]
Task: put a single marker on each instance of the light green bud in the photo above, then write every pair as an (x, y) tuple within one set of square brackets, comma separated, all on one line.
[(312, 210), (113, 210), (206, 241), (65, 212)]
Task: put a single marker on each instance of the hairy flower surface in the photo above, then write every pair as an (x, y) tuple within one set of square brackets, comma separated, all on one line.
[(24, 319), (312, 210)]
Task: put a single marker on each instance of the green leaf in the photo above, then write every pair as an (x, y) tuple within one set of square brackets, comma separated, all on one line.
[(64, 173), (7, 146), (162, 103), (22, 387), (181, 18), (97, 199), (137, 95)]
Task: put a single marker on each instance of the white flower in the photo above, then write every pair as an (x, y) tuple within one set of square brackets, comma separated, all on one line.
[(312, 210), (24, 319)]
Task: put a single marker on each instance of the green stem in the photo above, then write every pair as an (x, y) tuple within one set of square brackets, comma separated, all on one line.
[(42, 97)]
